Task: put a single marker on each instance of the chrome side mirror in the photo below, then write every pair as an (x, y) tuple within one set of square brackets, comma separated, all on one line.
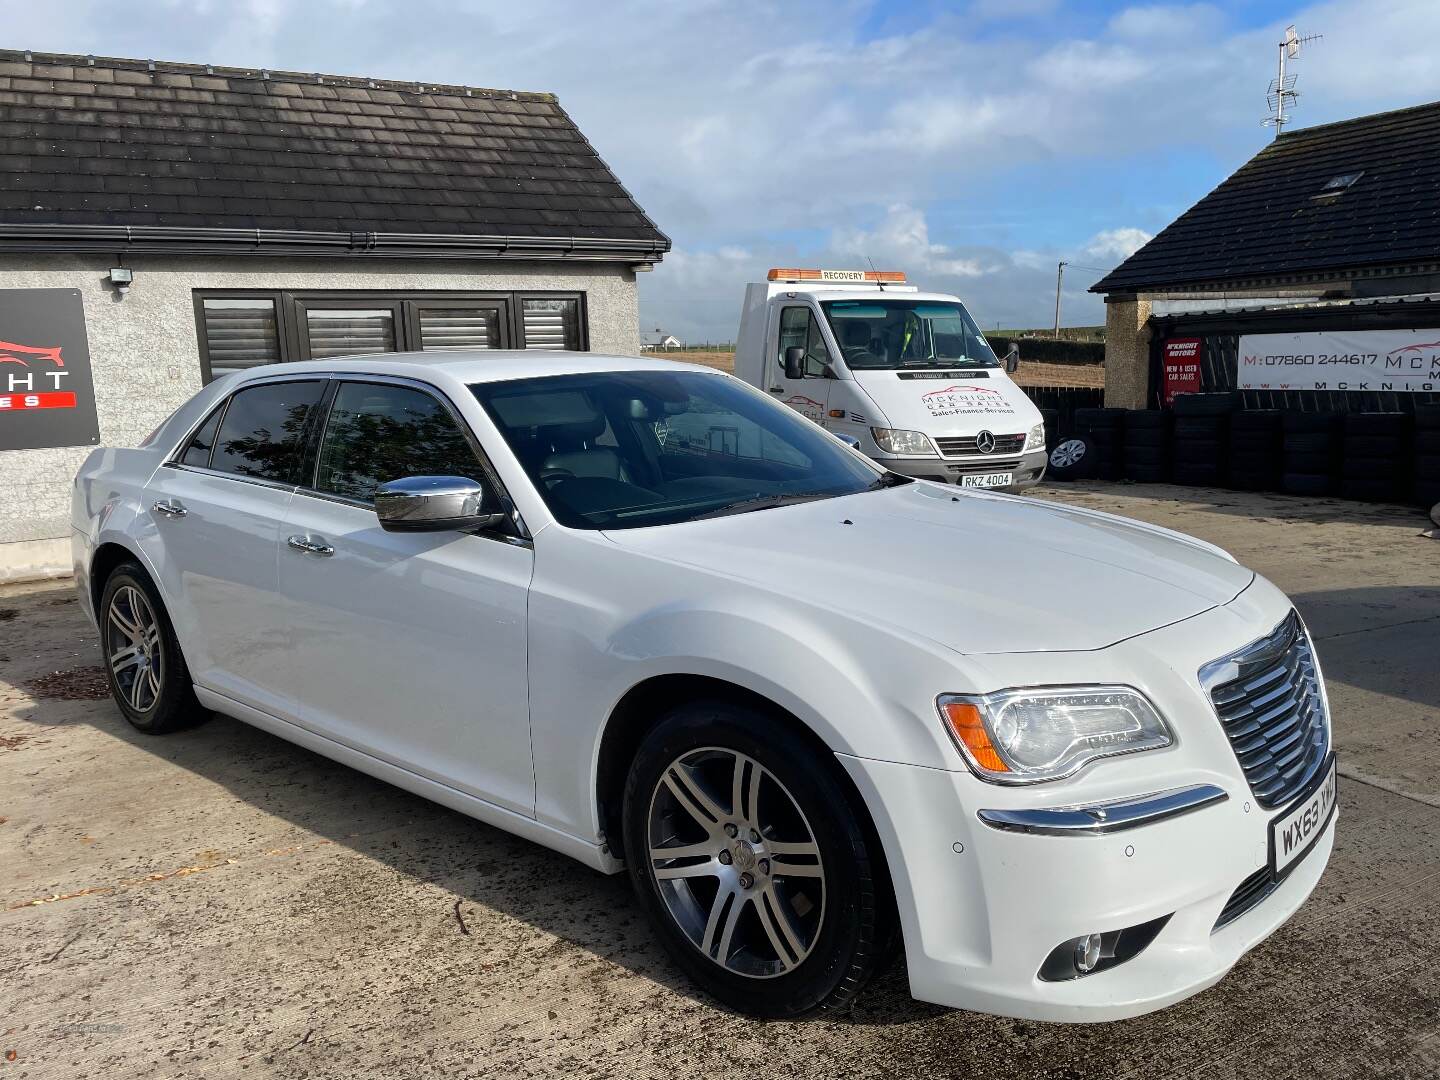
[(433, 504)]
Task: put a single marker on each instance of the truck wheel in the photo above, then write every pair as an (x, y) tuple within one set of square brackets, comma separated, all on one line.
[(143, 665), (753, 864), (1073, 459)]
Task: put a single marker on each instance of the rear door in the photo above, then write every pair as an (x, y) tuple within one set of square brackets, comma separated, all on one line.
[(809, 396), (408, 646), (215, 512)]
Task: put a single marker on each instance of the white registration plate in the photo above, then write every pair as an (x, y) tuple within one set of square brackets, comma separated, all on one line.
[(1295, 832), (994, 479)]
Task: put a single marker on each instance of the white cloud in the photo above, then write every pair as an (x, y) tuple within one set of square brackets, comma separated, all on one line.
[(1116, 244)]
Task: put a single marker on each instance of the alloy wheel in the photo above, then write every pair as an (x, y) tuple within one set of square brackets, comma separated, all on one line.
[(133, 648), (1067, 453), (736, 862)]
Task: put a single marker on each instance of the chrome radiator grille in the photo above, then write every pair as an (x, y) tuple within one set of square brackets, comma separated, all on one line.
[(966, 444), (1267, 696)]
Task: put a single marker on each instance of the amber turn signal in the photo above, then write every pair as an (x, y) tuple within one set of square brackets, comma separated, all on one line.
[(965, 721)]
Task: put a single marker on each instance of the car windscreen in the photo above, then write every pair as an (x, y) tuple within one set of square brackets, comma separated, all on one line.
[(890, 333), (629, 449)]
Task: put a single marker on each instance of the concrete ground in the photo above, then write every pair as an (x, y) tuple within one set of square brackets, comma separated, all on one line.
[(220, 902)]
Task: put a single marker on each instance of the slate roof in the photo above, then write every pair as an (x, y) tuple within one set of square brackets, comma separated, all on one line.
[(1272, 218), (91, 143)]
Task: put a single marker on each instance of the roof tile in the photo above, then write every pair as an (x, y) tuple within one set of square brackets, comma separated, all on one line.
[(116, 141)]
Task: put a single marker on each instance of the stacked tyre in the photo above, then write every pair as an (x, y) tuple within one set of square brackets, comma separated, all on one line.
[(1052, 427), (1105, 429), (1376, 461), (1147, 446), (1202, 435), (1311, 454), (1256, 447), (1427, 455)]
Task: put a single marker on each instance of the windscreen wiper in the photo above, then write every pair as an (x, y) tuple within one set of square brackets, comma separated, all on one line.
[(763, 502)]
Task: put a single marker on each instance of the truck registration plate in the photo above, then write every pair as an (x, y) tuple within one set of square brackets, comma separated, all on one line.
[(987, 480)]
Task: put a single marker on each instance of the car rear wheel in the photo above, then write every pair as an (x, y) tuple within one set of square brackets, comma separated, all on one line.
[(147, 675), (753, 863)]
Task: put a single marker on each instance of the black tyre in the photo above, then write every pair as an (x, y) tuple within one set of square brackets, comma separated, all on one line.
[(1427, 416), (1146, 420), (1266, 420), (1200, 427), (778, 906), (143, 664), (1091, 419), (1374, 446), (1206, 404), (1376, 423), (1073, 459), (1147, 436), (1310, 423), (1248, 479), (1306, 483), (1197, 475), (1427, 443), (1258, 442), (1198, 451), (1310, 442)]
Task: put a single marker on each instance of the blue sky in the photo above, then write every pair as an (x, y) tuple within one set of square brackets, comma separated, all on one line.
[(971, 143)]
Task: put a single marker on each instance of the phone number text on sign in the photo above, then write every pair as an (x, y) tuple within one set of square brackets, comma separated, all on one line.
[(1402, 361)]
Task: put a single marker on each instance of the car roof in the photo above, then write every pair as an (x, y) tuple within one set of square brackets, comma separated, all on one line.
[(477, 365)]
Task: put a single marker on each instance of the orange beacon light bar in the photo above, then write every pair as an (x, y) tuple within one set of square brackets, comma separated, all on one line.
[(896, 277)]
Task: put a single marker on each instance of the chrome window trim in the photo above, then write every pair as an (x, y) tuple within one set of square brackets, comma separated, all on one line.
[(1100, 819)]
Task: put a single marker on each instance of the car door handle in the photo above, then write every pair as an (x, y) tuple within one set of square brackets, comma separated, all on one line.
[(309, 546), (170, 508)]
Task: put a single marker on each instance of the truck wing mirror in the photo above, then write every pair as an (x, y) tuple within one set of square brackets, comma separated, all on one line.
[(795, 362), (1012, 359)]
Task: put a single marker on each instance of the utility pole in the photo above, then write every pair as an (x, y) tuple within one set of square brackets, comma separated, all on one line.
[(1059, 276)]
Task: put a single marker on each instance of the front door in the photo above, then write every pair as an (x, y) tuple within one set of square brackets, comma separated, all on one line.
[(810, 395), (408, 646), (215, 515)]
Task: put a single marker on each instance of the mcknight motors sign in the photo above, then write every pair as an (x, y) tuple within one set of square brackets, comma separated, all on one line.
[(47, 397)]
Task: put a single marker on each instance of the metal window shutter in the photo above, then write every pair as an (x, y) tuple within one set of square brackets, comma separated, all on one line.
[(240, 337), (459, 328), (336, 332), (552, 324)]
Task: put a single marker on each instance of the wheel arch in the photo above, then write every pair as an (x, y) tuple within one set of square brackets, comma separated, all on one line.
[(103, 563), (641, 709)]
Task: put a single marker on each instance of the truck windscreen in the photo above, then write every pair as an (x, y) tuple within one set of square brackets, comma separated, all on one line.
[(907, 333)]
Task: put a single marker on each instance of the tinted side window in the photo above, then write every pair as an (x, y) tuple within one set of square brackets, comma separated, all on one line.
[(378, 433), (198, 452), (263, 433)]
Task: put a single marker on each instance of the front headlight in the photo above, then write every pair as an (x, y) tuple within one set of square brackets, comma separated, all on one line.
[(896, 441), (1027, 735), (1036, 439)]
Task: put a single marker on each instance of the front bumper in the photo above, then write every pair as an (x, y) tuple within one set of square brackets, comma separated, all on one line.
[(983, 902), (1028, 469)]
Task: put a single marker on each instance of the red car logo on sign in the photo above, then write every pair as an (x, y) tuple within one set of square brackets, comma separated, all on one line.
[(10, 353)]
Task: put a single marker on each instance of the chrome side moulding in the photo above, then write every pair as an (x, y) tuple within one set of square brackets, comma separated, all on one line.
[(1098, 819)]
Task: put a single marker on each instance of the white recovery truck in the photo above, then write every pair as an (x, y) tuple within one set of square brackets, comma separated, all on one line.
[(905, 376)]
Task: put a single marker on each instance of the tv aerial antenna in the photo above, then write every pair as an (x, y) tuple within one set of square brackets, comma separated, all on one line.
[(1282, 94)]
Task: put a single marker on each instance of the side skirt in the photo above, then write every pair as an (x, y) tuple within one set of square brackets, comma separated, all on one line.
[(585, 851)]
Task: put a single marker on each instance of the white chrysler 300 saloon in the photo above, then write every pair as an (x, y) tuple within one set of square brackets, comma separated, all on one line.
[(640, 613)]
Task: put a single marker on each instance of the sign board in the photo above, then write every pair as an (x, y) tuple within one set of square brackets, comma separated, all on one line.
[(1404, 361), (1181, 361), (46, 395)]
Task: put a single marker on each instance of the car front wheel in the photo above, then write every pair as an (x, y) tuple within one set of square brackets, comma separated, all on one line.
[(753, 863), (143, 665)]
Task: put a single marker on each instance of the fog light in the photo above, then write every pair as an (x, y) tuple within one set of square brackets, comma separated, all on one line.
[(1087, 953)]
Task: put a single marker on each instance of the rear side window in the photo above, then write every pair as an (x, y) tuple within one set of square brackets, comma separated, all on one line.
[(263, 432), (377, 433), (198, 452)]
